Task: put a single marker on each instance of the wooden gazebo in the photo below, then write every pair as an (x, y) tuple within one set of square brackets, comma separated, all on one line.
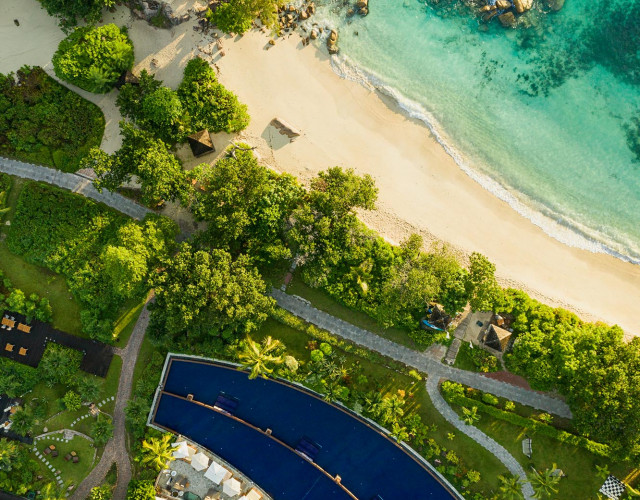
[(201, 143)]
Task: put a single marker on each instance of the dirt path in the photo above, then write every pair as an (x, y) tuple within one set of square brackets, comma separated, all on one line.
[(116, 449)]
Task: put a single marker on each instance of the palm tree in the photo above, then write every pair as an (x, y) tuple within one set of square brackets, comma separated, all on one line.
[(510, 487), (261, 357), (157, 451), (470, 415), (602, 472), (544, 484), (8, 451), (391, 409)]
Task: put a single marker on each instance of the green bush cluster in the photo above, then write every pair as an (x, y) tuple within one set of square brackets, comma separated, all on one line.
[(16, 379), (454, 393), (200, 102), (5, 186), (43, 122), (93, 58), (237, 16), (15, 300), (589, 363), (105, 256), (71, 11)]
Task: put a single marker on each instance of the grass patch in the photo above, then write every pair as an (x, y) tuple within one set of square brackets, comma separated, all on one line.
[(31, 278), (123, 327), (69, 471), (577, 463), (323, 301), (475, 359)]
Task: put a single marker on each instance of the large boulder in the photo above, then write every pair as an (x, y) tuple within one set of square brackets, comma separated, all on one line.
[(362, 4), (522, 5), (555, 5), (503, 4), (508, 20)]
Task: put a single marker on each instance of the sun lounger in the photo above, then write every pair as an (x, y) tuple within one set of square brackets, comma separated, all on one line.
[(22, 351), (8, 347)]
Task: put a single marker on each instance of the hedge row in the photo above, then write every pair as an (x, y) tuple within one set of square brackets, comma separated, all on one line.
[(531, 425), (286, 318)]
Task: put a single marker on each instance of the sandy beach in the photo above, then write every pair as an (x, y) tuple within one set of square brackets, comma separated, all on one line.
[(421, 188)]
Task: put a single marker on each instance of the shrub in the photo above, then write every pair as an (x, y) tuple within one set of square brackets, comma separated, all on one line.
[(43, 122), (141, 490), (16, 378), (100, 493), (490, 399), (71, 11), (209, 104), (59, 364), (530, 425), (72, 401), (94, 58), (509, 405)]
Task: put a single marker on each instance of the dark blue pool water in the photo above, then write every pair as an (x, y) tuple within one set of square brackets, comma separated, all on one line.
[(368, 463)]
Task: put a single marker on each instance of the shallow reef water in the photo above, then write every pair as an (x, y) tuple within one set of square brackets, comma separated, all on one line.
[(548, 111)]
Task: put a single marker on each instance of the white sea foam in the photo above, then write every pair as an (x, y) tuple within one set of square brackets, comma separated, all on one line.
[(559, 227)]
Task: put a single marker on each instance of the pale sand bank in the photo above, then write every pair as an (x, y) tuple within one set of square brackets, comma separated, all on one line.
[(421, 188)]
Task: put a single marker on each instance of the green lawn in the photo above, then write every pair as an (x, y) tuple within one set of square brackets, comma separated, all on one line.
[(35, 279), (324, 302), (69, 471), (389, 381), (577, 463), (126, 321), (59, 420)]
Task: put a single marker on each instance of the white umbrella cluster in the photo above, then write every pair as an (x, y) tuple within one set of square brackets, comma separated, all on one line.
[(231, 487), (199, 461), (217, 473), (182, 450)]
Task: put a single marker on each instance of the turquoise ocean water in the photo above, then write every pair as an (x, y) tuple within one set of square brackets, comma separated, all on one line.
[(546, 115)]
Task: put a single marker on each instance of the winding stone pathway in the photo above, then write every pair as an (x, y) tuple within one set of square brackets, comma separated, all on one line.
[(478, 436), (75, 183), (116, 449), (423, 361)]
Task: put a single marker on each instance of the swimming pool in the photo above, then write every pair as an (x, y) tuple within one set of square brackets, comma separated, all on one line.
[(368, 463)]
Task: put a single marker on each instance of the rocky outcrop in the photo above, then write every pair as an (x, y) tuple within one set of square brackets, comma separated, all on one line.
[(289, 16), (522, 6), (332, 42), (555, 5), (160, 14), (508, 20)]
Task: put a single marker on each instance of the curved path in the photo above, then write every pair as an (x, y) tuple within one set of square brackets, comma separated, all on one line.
[(73, 182), (478, 436), (116, 449), (422, 361)]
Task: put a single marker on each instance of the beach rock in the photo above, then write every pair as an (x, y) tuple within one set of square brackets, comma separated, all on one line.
[(16, 22), (272, 42), (522, 5), (555, 5), (312, 8), (303, 15), (313, 35), (508, 20), (333, 37), (503, 4), (332, 42), (292, 8), (483, 27), (361, 4), (363, 11)]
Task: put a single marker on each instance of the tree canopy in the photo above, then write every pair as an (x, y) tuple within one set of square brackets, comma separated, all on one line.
[(141, 155), (246, 207), (93, 58), (236, 16), (208, 294), (71, 11)]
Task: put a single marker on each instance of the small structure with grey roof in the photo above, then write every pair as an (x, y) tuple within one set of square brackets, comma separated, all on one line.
[(497, 338), (201, 143)]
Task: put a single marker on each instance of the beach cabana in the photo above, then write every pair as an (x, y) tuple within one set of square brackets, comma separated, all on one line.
[(231, 487), (252, 494), (285, 129), (127, 77), (217, 473), (201, 143), (181, 450), (200, 461), (497, 338)]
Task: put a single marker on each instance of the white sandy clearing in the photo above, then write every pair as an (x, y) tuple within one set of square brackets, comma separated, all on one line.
[(421, 188)]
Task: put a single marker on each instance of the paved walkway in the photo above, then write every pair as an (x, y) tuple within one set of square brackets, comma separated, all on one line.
[(116, 449), (75, 183), (424, 362), (478, 436)]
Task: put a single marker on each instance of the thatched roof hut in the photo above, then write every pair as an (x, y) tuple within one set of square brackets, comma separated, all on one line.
[(286, 129), (497, 338), (127, 77), (201, 143)]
